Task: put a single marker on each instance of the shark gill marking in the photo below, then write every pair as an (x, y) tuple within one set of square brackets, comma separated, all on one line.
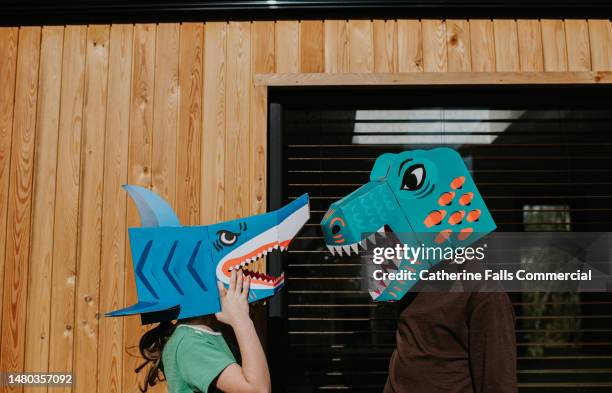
[(166, 268), (140, 266), (191, 269)]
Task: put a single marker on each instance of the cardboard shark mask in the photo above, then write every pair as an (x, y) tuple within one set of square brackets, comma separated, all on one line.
[(177, 267), (425, 197)]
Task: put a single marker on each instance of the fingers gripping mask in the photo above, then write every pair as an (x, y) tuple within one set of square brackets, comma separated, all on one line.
[(425, 197), (177, 267)]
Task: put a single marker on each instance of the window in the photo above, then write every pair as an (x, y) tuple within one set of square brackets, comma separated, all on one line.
[(542, 158)]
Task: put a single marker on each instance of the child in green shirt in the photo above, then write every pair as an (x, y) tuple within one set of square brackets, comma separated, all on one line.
[(195, 358)]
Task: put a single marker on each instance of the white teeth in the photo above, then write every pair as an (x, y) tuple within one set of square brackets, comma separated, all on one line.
[(283, 248), (259, 255), (276, 246), (265, 252), (364, 244), (372, 238), (347, 249), (331, 249), (381, 229)]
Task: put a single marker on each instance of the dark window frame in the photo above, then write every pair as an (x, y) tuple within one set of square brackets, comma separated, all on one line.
[(282, 98)]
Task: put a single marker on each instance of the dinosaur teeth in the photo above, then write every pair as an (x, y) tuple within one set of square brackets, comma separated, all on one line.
[(347, 249), (339, 250), (332, 249), (364, 244), (372, 238), (355, 248)]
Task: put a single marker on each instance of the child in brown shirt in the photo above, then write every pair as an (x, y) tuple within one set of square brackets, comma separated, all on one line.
[(455, 343)]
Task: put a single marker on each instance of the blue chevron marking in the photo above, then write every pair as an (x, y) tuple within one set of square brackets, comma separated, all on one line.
[(140, 266), (167, 270), (192, 270)]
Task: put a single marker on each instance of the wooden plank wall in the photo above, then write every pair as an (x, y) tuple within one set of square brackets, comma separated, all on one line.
[(172, 107)]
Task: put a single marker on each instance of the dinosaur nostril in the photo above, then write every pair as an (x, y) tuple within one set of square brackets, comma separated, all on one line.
[(335, 229)]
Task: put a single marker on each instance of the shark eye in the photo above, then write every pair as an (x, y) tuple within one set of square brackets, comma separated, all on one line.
[(414, 177), (227, 238)]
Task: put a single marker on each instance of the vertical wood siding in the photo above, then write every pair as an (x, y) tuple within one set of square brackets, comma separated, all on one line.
[(173, 107)]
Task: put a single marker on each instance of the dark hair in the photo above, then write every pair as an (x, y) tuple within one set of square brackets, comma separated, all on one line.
[(151, 346)]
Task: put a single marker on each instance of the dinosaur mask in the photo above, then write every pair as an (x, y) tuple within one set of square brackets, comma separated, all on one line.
[(177, 267), (425, 197)]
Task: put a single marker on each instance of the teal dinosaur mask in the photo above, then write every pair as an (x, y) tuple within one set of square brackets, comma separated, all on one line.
[(425, 197)]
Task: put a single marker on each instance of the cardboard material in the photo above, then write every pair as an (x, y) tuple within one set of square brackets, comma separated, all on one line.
[(177, 267), (425, 197)]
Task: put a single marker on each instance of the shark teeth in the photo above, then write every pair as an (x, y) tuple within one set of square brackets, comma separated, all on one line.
[(254, 258)]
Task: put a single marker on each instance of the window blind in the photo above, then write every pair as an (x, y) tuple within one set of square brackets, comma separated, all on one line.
[(542, 161)]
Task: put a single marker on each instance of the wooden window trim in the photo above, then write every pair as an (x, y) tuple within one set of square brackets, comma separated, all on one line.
[(433, 78)]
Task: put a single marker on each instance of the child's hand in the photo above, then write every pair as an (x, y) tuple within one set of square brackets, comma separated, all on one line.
[(234, 301)]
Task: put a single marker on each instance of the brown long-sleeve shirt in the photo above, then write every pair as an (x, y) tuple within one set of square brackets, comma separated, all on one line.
[(455, 343)]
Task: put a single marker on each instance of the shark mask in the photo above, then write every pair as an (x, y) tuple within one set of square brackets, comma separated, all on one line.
[(425, 197), (177, 267)]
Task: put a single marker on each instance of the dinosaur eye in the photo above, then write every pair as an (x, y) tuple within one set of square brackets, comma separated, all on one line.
[(414, 177), (227, 238)]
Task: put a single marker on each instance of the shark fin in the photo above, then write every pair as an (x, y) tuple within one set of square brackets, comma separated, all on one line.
[(142, 308), (154, 211)]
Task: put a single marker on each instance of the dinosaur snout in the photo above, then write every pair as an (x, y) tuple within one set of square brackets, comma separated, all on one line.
[(340, 235), (334, 229)]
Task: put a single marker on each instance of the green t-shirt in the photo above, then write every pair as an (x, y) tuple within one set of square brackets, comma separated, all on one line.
[(193, 357)]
